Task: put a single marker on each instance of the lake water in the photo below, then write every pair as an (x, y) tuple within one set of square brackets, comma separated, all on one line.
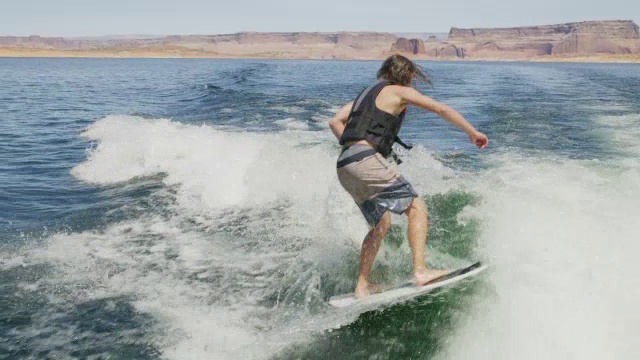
[(189, 209)]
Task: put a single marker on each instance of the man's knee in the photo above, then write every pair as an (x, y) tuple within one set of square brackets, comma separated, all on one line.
[(382, 227), (417, 207)]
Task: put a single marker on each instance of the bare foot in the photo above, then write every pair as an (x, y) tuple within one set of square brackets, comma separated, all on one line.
[(361, 291), (426, 276), (377, 288)]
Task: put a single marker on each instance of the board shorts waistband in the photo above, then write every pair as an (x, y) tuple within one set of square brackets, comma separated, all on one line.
[(354, 153)]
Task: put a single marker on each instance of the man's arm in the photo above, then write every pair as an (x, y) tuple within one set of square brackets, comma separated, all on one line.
[(339, 121), (414, 97)]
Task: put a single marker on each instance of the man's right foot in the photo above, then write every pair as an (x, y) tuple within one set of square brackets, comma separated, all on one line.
[(371, 289), (361, 292), (424, 277)]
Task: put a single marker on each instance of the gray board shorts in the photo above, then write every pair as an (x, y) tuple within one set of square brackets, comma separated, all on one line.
[(374, 183)]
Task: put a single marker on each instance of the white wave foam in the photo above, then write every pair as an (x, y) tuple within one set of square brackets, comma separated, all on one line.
[(207, 285), (213, 169), (203, 289), (216, 169), (622, 132), (293, 124), (158, 262), (289, 109), (557, 235), (192, 156), (561, 241), (12, 262)]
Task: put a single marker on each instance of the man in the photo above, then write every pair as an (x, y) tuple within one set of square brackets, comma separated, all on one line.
[(367, 128)]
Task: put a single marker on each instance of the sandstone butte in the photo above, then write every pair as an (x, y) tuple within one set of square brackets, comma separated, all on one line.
[(616, 40)]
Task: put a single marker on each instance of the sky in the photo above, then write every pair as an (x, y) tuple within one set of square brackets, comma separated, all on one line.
[(162, 17)]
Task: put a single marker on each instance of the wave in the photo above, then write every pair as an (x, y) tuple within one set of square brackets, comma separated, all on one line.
[(559, 238), (621, 133), (258, 234), (213, 168)]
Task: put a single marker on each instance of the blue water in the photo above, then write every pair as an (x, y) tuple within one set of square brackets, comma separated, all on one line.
[(190, 209)]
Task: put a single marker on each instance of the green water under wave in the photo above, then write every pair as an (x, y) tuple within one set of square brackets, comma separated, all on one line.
[(417, 329)]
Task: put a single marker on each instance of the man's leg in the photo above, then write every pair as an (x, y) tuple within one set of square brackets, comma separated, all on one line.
[(418, 226), (370, 247)]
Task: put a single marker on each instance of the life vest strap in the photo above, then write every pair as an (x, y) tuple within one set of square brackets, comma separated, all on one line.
[(403, 144)]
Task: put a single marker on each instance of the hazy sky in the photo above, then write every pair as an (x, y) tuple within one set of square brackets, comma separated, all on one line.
[(98, 17)]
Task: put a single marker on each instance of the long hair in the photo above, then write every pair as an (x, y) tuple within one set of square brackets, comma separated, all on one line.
[(401, 71)]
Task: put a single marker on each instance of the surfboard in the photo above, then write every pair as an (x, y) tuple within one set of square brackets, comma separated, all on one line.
[(406, 290)]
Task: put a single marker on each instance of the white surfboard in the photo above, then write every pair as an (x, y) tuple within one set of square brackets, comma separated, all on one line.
[(405, 291)]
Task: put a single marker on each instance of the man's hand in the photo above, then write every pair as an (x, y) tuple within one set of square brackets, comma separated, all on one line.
[(339, 121), (479, 139)]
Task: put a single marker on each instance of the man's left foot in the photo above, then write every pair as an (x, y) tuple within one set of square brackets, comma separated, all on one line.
[(427, 276), (361, 292)]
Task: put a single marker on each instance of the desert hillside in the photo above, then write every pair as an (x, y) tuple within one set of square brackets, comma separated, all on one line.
[(585, 38), (598, 40)]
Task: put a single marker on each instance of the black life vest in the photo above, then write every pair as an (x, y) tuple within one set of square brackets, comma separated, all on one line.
[(367, 122)]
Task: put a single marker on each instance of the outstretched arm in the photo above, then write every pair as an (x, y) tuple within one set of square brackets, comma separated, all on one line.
[(414, 97), (339, 121)]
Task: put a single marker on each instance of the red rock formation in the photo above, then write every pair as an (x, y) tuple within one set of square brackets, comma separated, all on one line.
[(621, 29), (411, 46), (537, 49), (585, 38), (508, 33), (363, 40), (487, 46), (588, 44), (450, 50), (609, 29), (343, 38), (589, 37), (8, 40)]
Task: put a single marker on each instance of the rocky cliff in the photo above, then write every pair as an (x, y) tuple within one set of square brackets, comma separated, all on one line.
[(246, 44), (590, 44), (571, 39), (619, 38), (411, 46), (617, 29)]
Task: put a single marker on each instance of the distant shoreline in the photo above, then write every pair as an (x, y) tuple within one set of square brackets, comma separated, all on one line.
[(142, 54), (613, 41)]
